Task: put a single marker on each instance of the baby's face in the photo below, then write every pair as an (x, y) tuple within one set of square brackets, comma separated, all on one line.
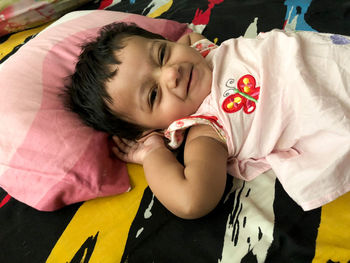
[(158, 82)]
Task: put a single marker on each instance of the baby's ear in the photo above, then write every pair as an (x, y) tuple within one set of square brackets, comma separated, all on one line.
[(190, 38), (185, 39)]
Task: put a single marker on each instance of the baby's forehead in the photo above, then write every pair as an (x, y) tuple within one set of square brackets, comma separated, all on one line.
[(141, 46), (146, 39)]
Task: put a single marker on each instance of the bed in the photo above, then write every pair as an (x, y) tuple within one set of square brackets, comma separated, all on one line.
[(256, 221)]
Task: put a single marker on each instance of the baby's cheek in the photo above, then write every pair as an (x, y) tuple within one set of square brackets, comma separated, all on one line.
[(177, 112)]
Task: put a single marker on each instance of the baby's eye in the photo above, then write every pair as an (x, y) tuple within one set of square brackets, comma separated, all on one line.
[(162, 51), (152, 96)]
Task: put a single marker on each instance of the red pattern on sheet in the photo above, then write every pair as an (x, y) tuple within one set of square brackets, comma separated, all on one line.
[(105, 3), (5, 200), (202, 18)]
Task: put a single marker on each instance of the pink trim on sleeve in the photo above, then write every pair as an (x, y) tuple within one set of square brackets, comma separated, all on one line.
[(176, 130), (204, 46)]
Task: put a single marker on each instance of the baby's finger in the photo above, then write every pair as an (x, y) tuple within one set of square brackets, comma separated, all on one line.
[(121, 145), (116, 139), (119, 154), (130, 143), (120, 141)]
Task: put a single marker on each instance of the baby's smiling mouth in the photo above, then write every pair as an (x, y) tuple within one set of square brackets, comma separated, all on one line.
[(189, 80)]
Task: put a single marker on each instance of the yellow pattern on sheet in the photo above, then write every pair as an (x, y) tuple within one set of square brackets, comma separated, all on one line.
[(161, 7), (110, 217), (17, 39), (333, 239)]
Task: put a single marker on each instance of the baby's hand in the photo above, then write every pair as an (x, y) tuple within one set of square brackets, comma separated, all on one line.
[(136, 151)]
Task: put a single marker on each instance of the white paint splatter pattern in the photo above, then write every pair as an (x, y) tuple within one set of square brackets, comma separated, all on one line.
[(148, 212), (139, 232), (249, 227)]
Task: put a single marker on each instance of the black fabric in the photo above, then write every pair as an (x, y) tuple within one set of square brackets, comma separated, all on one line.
[(164, 234), (227, 19), (28, 235), (295, 231), (329, 16)]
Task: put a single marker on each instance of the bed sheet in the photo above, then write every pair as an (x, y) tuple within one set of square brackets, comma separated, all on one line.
[(19, 15), (255, 221)]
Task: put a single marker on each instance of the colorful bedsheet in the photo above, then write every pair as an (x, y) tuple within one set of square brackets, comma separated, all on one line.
[(17, 15), (255, 221)]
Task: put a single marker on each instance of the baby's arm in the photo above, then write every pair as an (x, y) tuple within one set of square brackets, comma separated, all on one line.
[(191, 190), (190, 39)]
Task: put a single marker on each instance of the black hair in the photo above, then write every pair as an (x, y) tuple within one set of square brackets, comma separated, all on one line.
[(86, 93)]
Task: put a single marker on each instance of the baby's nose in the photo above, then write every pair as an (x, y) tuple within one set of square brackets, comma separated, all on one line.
[(171, 76)]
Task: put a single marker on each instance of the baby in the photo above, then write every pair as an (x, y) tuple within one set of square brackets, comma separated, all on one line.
[(280, 101)]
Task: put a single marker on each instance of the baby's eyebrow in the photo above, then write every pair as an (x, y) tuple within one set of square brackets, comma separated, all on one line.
[(152, 53), (143, 98), (153, 50)]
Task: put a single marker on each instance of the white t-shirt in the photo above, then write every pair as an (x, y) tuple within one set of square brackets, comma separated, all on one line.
[(282, 101)]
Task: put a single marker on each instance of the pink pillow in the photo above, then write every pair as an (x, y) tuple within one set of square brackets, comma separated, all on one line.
[(48, 158)]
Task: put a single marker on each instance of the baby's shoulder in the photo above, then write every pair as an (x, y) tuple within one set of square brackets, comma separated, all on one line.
[(204, 131)]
